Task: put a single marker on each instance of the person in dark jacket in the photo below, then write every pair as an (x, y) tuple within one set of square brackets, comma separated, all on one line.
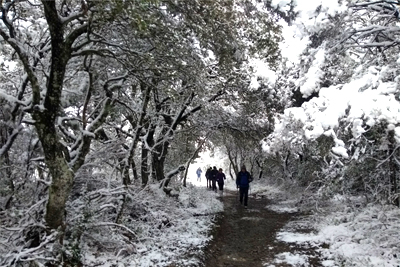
[(208, 177), (220, 179), (214, 178), (243, 180)]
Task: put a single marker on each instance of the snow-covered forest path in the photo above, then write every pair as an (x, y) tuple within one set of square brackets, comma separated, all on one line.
[(247, 237)]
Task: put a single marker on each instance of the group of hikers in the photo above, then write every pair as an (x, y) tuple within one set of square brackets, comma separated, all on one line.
[(243, 180), (215, 176)]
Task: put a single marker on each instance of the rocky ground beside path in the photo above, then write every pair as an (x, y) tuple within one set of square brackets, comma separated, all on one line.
[(247, 237)]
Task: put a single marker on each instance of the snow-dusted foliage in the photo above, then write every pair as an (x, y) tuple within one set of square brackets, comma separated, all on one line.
[(345, 116), (350, 236), (111, 91), (152, 228), (345, 230), (155, 230)]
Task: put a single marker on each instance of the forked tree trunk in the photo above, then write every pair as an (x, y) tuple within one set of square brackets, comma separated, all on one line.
[(159, 153), (129, 160)]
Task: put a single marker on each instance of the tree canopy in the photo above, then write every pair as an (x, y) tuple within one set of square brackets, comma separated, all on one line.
[(101, 100), (126, 90)]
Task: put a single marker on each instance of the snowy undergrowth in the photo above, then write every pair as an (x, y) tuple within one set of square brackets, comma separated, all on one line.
[(284, 200), (343, 229), (348, 236), (115, 226), (163, 230), (292, 259), (260, 189)]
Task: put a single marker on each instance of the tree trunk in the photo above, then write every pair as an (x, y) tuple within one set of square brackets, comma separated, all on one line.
[(146, 154), (171, 174), (261, 170), (233, 162), (393, 168), (191, 159), (159, 159), (285, 165), (159, 153), (230, 172), (128, 161), (6, 174), (144, 167), (5, 171), (60, 188), (62, 175)]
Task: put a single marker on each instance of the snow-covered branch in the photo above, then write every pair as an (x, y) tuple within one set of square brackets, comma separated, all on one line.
[(4, 149)]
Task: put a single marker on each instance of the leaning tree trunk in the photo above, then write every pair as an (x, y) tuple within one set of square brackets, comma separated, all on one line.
[(233, 162), (195, 154)]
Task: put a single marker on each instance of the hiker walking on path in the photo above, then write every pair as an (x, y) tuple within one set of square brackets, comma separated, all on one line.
[(208, 177), (198, 172), (243, 181), (213, 175), (220, 177)]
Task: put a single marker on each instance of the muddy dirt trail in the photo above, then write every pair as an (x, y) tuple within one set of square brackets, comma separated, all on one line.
[(247, 237)]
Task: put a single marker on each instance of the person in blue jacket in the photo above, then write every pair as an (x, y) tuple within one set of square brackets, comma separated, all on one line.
[(198, 172), (243, 180)]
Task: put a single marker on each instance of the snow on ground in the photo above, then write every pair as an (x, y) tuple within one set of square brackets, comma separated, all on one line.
[(292, 259), (168, 231), (287, 206), (362, 237), (347, 236), (344, 233)]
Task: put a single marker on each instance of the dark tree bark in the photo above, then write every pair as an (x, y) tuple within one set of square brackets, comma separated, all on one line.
[(62, 175), (144, 167), (46, 103), (146, 155), (128, 162), (233, 162), (393, 168), (158, 157)]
